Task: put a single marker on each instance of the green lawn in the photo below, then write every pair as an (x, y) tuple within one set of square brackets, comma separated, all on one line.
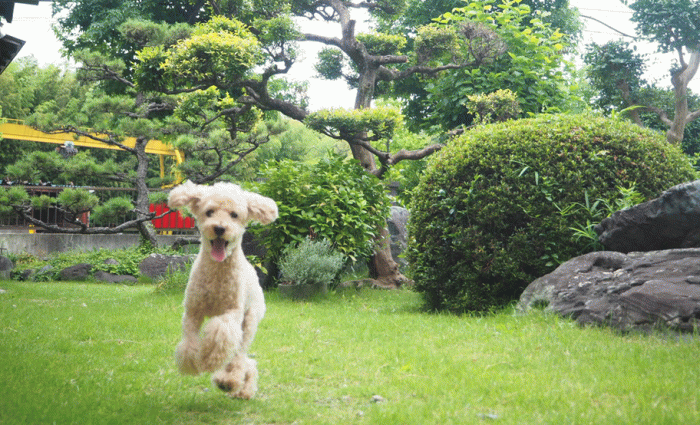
[(101, 354)]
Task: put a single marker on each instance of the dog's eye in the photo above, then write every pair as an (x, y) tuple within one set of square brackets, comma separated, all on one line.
[(234, 214), (209, 213)]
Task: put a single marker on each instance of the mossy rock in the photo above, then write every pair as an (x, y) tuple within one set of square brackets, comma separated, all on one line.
[(495, 208)]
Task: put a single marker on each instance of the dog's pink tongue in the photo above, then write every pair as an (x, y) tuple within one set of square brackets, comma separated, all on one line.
[(218, 249)]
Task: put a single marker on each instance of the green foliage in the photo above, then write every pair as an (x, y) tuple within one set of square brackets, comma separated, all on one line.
[(42, 202), (330, 63), (277, 35), (11, 196), (173, 282), (612, 66), (486, 218), (532, 66), (597, 211), (35, 167), (671, 23), (437, 43), (77, 201), (310, 262), (379, 122), (499, 106), (219, 50), (25, 88), (111, 212), (127, 262), (382, 44), (334, 199)]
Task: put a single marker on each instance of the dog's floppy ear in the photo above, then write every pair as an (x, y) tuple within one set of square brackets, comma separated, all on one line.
[(261, 208), (184, 195)]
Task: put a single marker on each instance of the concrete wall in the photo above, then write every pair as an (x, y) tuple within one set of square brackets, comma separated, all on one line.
[(40, 244)]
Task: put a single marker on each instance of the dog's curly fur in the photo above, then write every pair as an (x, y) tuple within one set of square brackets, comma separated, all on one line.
[(223, 286)]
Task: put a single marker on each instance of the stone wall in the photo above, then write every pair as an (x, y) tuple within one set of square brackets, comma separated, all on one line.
[(40, 244)]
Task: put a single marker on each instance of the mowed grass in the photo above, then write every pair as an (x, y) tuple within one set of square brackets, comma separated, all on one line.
[(101, 354)]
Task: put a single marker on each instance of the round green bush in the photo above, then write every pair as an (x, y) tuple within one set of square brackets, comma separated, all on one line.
[(497, 205)]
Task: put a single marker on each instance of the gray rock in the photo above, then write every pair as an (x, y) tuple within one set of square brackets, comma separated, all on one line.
[(103, 276), (157, 265), (668, 222), (399, 235), (78, 272), (6, 267), (639, 290)]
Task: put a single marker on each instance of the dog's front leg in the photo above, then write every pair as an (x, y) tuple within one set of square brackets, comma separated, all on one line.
[(222, 339), (188, 350)]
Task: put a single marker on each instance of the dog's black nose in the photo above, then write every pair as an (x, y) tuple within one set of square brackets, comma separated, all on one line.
[(219, 231)]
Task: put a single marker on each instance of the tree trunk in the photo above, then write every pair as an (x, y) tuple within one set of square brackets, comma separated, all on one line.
[(383, 268), (146, 229), (681, 116)]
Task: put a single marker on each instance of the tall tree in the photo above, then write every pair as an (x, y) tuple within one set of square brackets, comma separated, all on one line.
[(121, 104), (673, 25)]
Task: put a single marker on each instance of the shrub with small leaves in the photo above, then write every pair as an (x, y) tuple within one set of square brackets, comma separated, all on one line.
[(488, 218), (499, 106), (334, 199), (311, 261)]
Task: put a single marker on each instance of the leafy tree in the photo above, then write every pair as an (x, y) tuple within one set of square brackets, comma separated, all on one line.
[(673, 25), (537, 83), (125, 102), (235, 65)]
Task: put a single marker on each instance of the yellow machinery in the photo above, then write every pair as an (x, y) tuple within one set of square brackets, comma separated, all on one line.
[(16, 130)]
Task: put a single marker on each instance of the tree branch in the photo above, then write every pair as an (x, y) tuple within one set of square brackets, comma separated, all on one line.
[(614, 29), (23, 211)]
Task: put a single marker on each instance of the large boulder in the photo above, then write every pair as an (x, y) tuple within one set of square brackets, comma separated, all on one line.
[(102, 276), (670, 221), (157, 265), (658, 289), (79, 272)]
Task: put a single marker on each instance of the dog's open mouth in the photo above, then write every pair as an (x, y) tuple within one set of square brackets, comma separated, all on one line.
[(218, 249)]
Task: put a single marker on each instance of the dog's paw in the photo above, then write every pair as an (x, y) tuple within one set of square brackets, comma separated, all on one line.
[(230, 379), (186, 357), (239, 379)]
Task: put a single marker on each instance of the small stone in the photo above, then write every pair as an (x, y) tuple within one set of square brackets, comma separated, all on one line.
[(377, 399)]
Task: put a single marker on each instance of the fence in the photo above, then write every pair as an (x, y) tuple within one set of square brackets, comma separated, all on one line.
[(171, 222)]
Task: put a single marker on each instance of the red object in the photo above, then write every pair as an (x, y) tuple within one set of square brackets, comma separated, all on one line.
[(172, 220)]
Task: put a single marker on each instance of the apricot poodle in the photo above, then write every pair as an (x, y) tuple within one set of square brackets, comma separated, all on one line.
[(223, 286)]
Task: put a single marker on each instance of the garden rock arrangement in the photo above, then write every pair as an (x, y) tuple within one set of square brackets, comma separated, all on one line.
[(157, 265), (670, 221), (152, 267), (639, 290)]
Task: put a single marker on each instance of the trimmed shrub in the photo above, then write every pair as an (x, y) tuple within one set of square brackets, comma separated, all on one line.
[(496, 207), (311, 262), (334, 199)]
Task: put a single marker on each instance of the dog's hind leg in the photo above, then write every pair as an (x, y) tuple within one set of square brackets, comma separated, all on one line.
[(187, 351), (222, 339)]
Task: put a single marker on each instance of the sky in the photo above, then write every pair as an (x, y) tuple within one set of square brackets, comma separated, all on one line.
[(33, 25)]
